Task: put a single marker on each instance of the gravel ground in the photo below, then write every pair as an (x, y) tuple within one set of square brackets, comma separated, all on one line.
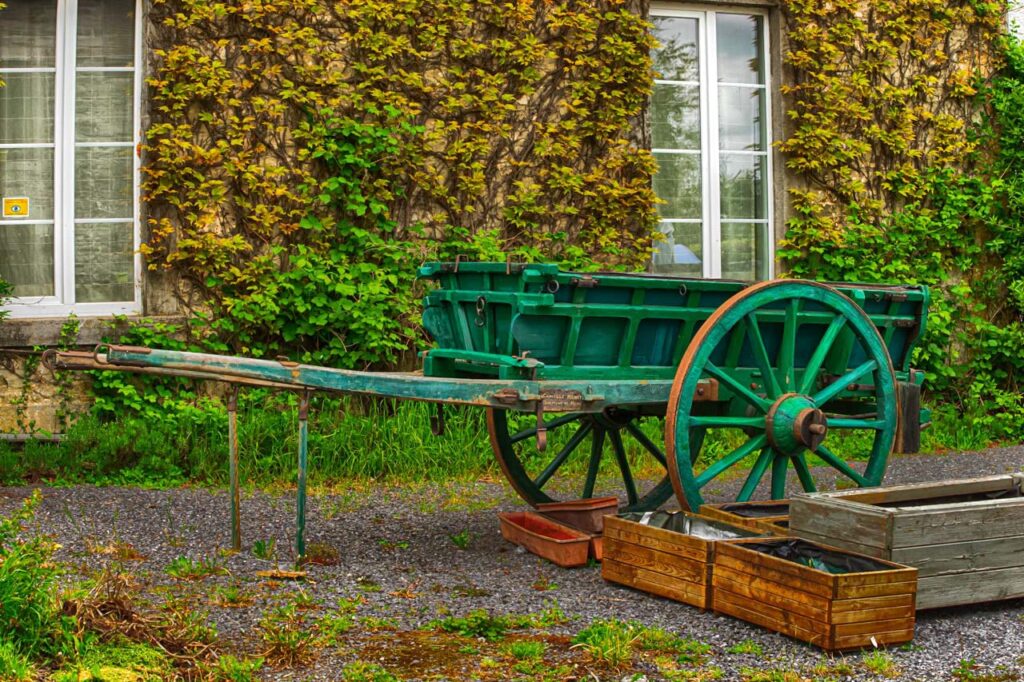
[(395, 541)]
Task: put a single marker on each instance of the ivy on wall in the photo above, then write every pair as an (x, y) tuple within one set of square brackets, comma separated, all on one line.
[(304, 156), (905, 125)]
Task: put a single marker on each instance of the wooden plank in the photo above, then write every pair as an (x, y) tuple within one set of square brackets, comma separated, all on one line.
[(769, 574), (728, 607), (892, 601), (655, 583), (894, 574), (914, 491), (655, 560), (843, 543), (657, 538), (805, 604), (973, 587), (882, 590), (841, 521), (957, 557), (779, 615), (871, 615), (962, 522), (874, 627), (882, 638)]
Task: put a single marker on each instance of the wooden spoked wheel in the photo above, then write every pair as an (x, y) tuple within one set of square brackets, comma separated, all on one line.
[(800, 369), (591, 437)]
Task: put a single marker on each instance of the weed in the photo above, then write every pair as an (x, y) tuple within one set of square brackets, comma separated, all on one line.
[(773, 675), (407, 592), (469, 591), (551, 615), (543, 584), (388, 545), (13, 666), (232, 596), (33, 624), (360, 671), (334, 625), (610, 641), (378, 623), (121, 551), (461, 539), (478, 623), (265, 549), (186, 568), (706, 674), (967, 670), (231, 669), (285, 635), (346, 605), (880, 662), (525, 649), (304, 601), (469, 650), (747, 646)]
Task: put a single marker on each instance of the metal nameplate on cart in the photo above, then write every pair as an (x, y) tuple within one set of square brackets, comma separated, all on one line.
[(557, 400)]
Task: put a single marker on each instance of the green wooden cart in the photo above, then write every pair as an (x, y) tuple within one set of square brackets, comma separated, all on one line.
[(739, 377)]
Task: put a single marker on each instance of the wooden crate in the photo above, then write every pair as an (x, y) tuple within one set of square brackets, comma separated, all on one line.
[(832, 611), (966, 537), (770, 516), (663, 562)]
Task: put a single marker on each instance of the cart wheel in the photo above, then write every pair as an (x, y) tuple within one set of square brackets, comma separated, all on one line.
[(593, 436), (800, 369)]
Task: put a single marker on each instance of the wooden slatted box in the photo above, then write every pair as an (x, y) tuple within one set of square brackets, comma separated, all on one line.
[(771, 516), (668, 563), (834, 611), (966, 537)]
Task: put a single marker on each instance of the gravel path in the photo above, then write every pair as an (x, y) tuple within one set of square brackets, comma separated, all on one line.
[(396, 552)]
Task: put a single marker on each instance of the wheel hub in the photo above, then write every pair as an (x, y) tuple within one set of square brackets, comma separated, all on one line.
[(794, 422)]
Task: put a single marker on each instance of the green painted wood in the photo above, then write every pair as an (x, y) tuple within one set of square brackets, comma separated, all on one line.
[(749, 314)]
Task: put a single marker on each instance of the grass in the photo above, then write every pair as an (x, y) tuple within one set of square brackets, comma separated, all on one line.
[(880, 663), (610, 641)]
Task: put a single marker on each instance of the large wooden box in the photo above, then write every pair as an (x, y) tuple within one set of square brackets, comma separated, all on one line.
[(965, 537), (771, 516), (870, 604), (673, 561)]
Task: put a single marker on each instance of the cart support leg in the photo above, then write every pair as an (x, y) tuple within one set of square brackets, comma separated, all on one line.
[(300, 504), (236, 521)]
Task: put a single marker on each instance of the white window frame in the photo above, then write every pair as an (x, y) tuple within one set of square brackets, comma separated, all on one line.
[(711, 216), (63, 303)]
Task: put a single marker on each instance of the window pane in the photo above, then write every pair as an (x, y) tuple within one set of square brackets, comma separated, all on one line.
[(680, 252), (742, 186), (29, 173), (103, 182), (106, 32), (104, 264), (744, 249), (103, 109), (677, 183), (28, 34), (26, 259), (741, 118), (26, 107), (676, 58), (675, 117), (740, 53)]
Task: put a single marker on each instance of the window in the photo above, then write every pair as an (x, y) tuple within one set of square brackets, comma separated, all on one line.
[(710, 137), (68, 172)]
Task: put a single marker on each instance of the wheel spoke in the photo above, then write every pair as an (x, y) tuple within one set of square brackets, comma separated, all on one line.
[(832, 460), (731, 459), (563, 454), (642, 438), (735, 422), (804, 472), (761, 356), (737, 388), (696, 443), (754, 477), (554, 424), (596, 448), (620, 457), (787, 349), (779, 464), (814, 364), (843, 423), (839, 385)]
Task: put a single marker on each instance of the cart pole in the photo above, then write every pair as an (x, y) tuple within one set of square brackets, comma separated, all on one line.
[(300, 503), (236, 522)]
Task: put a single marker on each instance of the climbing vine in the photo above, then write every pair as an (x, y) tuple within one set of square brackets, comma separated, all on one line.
[(905, 125), (305, 155)]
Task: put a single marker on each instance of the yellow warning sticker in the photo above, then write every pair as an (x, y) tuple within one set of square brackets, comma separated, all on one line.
[(15, 207)]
